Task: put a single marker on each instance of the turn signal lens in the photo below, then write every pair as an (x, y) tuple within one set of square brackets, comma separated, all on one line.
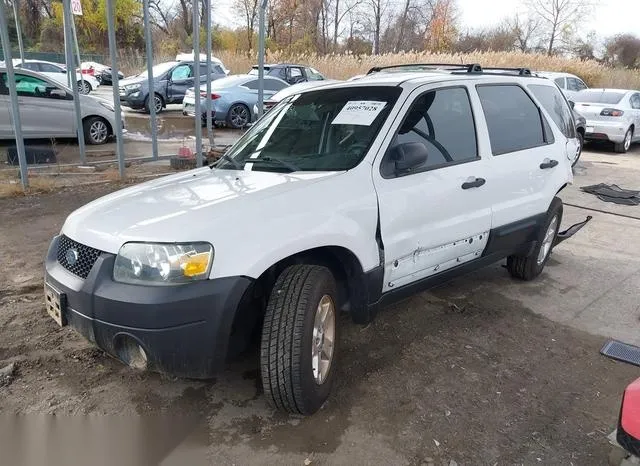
[(195, 265)]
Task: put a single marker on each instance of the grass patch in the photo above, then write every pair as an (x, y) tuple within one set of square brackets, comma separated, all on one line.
[(37, 185)]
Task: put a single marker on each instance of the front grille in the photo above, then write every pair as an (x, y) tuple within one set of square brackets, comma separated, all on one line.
[(86, 256)]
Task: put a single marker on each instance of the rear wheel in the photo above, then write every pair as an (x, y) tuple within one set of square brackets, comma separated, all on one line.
[(299, 336), (580, 137), (622, 147), (238, 116), (96, 130), (530, 266)]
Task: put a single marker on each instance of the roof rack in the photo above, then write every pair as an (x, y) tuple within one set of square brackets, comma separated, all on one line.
[(467, 68), (457, 68), (518, 71)]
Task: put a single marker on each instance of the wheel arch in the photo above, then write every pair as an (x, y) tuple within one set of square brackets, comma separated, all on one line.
[(352, 282)]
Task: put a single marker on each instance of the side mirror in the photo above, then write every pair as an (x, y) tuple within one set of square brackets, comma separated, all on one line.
[(572, 104), (56, 92), (408, 156)]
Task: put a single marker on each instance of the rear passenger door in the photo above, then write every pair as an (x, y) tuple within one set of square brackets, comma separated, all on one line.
[(525, 166), (437, 215)]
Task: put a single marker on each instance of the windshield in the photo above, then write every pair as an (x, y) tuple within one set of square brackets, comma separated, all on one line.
[(314, 75), (160, 69), (338, 125), (598, 97)]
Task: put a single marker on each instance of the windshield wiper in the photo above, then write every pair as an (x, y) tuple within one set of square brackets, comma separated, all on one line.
[(269, 158), (233, 162)]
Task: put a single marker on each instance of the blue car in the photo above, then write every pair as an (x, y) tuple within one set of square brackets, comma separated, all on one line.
[(232, 99)]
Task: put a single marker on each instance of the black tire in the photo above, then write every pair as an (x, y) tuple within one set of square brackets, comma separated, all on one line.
[(96, 131), (159, 101), (623, 147), (238, 116), (580, 137), (287, 340), (529, 267)]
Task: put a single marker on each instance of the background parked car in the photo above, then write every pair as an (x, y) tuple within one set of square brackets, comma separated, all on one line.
[(233, 98), (568, 83), (611, 114), (292, 74), (203, 59), (287, 91), (58, 73), (171, 80), (47, 110), (99, 71)]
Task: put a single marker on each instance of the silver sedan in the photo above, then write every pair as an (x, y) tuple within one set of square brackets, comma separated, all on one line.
[(612, 115)]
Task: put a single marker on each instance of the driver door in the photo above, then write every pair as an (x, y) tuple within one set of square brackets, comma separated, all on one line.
[(438, 215), (181, 78)]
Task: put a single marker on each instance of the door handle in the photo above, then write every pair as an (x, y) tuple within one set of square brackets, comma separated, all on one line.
[(473, 182), (546, 163)]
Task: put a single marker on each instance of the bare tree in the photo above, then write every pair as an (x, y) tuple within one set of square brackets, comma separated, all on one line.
[(556, 17), (248, 9), (375, 9), (525, 29), (342, 9)]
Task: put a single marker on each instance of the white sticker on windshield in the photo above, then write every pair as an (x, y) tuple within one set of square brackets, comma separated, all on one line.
[(359, 112)]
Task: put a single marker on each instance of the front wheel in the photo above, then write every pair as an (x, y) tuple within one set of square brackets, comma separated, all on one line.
[(96, 131), (530, 266), (157, 102), (299, 336), (623, 147), (84, 87)]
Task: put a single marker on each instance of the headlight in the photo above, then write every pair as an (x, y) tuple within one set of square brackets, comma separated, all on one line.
[(163, 264), (107, 105), (133, 87)]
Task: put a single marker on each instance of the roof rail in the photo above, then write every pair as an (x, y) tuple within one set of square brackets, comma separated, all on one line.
[(467, 68)]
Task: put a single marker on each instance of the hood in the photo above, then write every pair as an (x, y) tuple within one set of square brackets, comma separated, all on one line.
[(135, 80), (190, 206)]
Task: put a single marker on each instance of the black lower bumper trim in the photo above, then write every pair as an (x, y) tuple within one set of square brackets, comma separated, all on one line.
[(572, 230), (184, 330)]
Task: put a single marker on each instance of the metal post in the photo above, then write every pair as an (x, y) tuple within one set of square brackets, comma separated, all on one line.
[(208, 100), (111, 30), (75, 42), (263, 7), (71, 74), (16, 17), (150, 80), (196, 74), (13, 96)]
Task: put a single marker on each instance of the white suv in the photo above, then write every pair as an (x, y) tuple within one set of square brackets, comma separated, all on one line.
[(568, 83), (343, 198)]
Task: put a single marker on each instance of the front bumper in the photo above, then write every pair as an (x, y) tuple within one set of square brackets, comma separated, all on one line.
[(136, 99), (605, 131), (184, 330)]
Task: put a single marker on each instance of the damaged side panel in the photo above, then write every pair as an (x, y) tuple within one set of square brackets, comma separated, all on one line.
[(424, 262)]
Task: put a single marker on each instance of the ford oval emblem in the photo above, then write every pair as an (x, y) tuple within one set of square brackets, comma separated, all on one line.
[(71, 256)]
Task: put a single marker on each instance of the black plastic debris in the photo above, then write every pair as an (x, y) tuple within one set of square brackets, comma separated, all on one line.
[(613, 193)]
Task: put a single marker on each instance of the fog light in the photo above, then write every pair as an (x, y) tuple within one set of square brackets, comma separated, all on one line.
[(131, 352)]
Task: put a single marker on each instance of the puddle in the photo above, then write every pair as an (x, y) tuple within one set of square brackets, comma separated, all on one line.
[(176, 128)]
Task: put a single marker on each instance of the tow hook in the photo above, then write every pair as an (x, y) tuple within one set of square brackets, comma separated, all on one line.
[(569, 232)]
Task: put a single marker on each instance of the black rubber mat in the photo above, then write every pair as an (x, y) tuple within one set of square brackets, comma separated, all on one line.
[(621, 352), (613, 193)]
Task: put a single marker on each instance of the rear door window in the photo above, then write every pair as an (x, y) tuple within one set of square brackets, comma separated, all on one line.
[(274, 85), (556, 106), (575, 84), (513, 119)]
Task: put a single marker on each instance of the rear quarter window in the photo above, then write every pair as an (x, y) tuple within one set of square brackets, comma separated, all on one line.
[(556, 106), (513, 119)]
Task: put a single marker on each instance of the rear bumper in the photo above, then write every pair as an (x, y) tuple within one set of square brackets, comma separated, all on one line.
[(184, 330), (605, 131)]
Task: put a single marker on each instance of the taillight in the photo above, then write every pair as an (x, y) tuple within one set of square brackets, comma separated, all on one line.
[(213, 96), (611, 112)]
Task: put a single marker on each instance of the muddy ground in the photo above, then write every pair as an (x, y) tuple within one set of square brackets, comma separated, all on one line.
[(470, 372)]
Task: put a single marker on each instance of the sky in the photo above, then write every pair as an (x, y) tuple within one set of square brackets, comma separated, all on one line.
[(608, 18)]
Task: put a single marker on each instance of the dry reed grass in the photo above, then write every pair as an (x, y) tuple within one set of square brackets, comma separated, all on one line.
[(37, 185), (346, 66)]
